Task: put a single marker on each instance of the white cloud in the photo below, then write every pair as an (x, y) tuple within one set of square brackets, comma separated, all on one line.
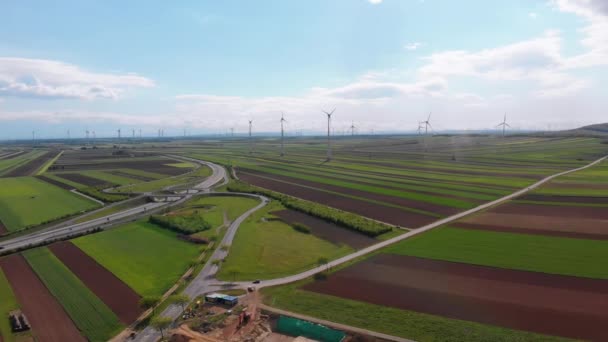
[(595, 13), (42, 78), (374, 2), (413, 46), (532, 15)]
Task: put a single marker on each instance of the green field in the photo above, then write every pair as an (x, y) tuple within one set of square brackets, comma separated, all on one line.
[(272, 249), (7, 165), (147, 258), (214, 207), (21, 195), (160, 184), (8, 303), (406, 324), (575, 257), (92, 317)]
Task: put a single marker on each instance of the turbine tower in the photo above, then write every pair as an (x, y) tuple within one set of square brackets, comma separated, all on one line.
[(427, 124), (250, 140), (504, 124), (352, 129), (329, 114), (133, 133), (119, 133), (282, 134)]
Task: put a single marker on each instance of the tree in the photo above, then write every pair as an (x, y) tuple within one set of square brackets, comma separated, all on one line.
[(148, 302), (180, 300), (225, 247), (161, 323)]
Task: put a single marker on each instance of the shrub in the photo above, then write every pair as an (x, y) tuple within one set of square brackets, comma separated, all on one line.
[(300, 227), (185, 224)]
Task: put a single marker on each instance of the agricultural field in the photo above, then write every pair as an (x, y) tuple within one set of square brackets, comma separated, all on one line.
[(48, 319), (533, 263), (92, 317), (147, 258), (14, 160), (404, 181), (218, 209), (8, 303), (265, 247), (19, 195), (187, 179)]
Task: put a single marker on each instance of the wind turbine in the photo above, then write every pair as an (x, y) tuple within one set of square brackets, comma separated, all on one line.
[(352, 129), (119, 133), (282, 134), (504, 124), (329, 114), (250, 141), (419, 127), (427, 124)]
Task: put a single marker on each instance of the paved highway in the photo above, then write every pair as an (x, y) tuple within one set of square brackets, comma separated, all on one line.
[(62, 231)]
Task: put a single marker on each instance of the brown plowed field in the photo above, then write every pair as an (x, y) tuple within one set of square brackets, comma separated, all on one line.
[(112, 291), (156, 166), (564, 199), (82, 179), (128, 175), (362, 182), (32, 166), (48, 319), (552, 210), (325, 230), (403, 202), (55, 182), (539, 231), (372, 210), (549, 304), (561, 225)]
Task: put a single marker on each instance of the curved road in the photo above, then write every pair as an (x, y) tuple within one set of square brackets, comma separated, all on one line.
[(205, 281), (63, 231)]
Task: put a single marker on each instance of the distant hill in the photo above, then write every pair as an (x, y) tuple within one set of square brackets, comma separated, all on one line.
[(597, 130)]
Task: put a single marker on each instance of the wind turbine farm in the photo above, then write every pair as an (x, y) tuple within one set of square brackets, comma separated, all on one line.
[(378, 197)]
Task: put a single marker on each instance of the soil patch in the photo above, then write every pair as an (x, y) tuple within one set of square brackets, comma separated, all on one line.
[(82, 179), (112, 291), (325, 230), (47, 318), (372, 210), (564, 211), (561, 225), (11, 156), (549, 304), (402, 202), (546, 232), (55, 182)]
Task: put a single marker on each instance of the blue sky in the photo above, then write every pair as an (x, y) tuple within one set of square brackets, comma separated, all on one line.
[(211, 65)]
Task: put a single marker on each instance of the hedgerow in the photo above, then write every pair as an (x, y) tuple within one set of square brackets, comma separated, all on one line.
[(342, 218), (185, 224)]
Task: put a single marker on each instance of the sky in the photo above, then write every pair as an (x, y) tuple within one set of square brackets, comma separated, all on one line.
[(205, 67)]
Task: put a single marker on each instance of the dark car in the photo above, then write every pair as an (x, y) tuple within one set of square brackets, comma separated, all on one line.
[(257, 281)]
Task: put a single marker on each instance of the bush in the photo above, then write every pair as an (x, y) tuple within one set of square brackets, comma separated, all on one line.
[(185, 224), (342, 218), (300, 227)]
